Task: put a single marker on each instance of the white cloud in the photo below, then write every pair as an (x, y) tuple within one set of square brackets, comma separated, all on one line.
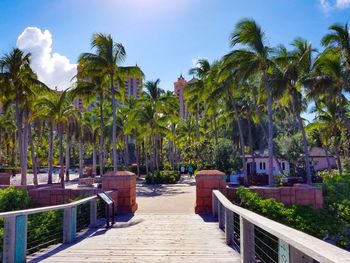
[(330, 5), (53, 69)]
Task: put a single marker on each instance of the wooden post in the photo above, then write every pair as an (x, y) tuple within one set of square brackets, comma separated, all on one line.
[(93, 213), (228, 226), (247, 240), (296, 256), (221, 216), (70, 225), (214, 205), (15, 239)]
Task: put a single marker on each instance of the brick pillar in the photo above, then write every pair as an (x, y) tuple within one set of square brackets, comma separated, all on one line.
[(125, 183), (206, 181)]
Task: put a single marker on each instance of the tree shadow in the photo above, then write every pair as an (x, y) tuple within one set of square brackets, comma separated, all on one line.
[(125, 220), (159, 190)]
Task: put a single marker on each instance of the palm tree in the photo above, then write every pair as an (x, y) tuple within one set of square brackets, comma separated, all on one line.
[(229, 92), (107, 59), (339, 40), (254, 60), (91, 84), (329, 124), (59, 111), (15, 72), (292, 68), (194, 90)]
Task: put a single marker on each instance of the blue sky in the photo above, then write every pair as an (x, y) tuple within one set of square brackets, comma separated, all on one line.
[(163, 37)]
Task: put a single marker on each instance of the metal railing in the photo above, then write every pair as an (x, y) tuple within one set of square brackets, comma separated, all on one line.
[(259, 239), (27, 231)]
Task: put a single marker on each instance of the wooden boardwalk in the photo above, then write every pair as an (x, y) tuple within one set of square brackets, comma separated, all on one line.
[(148, 238)]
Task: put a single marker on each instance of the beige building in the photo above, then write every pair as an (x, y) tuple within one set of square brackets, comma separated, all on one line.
[(179, 86)]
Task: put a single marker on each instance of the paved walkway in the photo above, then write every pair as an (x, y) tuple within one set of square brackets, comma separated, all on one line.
[(167, 199)]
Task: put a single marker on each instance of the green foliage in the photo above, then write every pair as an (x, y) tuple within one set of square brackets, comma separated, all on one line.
[(316, 222), (12, 199), (226, 156), (163, 177), (44, 229), (290, 147), (200, 153)]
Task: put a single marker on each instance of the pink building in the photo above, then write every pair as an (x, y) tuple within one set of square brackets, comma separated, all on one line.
[(318, 158), (179, 86), (133, 87), (262, 164)]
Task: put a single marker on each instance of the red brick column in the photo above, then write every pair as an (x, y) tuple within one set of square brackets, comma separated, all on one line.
[(5, 178), (206, 181), (125, 183)]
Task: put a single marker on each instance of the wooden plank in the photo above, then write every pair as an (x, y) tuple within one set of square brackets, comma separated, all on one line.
[(149, 238)]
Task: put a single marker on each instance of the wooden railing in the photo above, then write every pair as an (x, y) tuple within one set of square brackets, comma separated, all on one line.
[(259, 239), (16, 226)]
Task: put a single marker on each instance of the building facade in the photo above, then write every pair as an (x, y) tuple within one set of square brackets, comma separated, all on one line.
[(179, 86)]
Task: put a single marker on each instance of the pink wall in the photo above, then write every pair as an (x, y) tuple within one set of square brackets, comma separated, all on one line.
[(298, 194)]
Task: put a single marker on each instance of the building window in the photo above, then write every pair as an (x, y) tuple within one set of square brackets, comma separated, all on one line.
[(283, 166), (262, 166)]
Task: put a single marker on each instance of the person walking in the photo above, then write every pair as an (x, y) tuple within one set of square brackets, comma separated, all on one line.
[(190, 170)]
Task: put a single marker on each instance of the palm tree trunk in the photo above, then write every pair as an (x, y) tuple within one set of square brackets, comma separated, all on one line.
[(24, 164), (306, 150), (50, 160), (337, 154), (156, 154), (215, 128), (327, 158), (270, 139), (102, 128), (114, 128), (126, 151), (161, 161), (15, 149), (60, 139), (137, 159), (250, 138), (146, 163), (20, 140), (197, 122), (1, 147), (32, 152), (67, 157), (242, 144), (94, 154), (81, 162)]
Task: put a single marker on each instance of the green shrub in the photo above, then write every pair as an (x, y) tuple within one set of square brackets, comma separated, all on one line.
[(163, 177), (12, 199), (226, 156), (316, 222)]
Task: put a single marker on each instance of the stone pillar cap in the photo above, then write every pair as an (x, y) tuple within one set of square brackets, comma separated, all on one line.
[(119, 173), (210, 172)]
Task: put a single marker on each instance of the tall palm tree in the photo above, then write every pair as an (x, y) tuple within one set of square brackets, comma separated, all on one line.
[(292, 68), (254, 60), (91, 86), (107, 59), (59, 111), (229, 92), (194, 90), (339, 40), (16, 73), (329, 124)]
